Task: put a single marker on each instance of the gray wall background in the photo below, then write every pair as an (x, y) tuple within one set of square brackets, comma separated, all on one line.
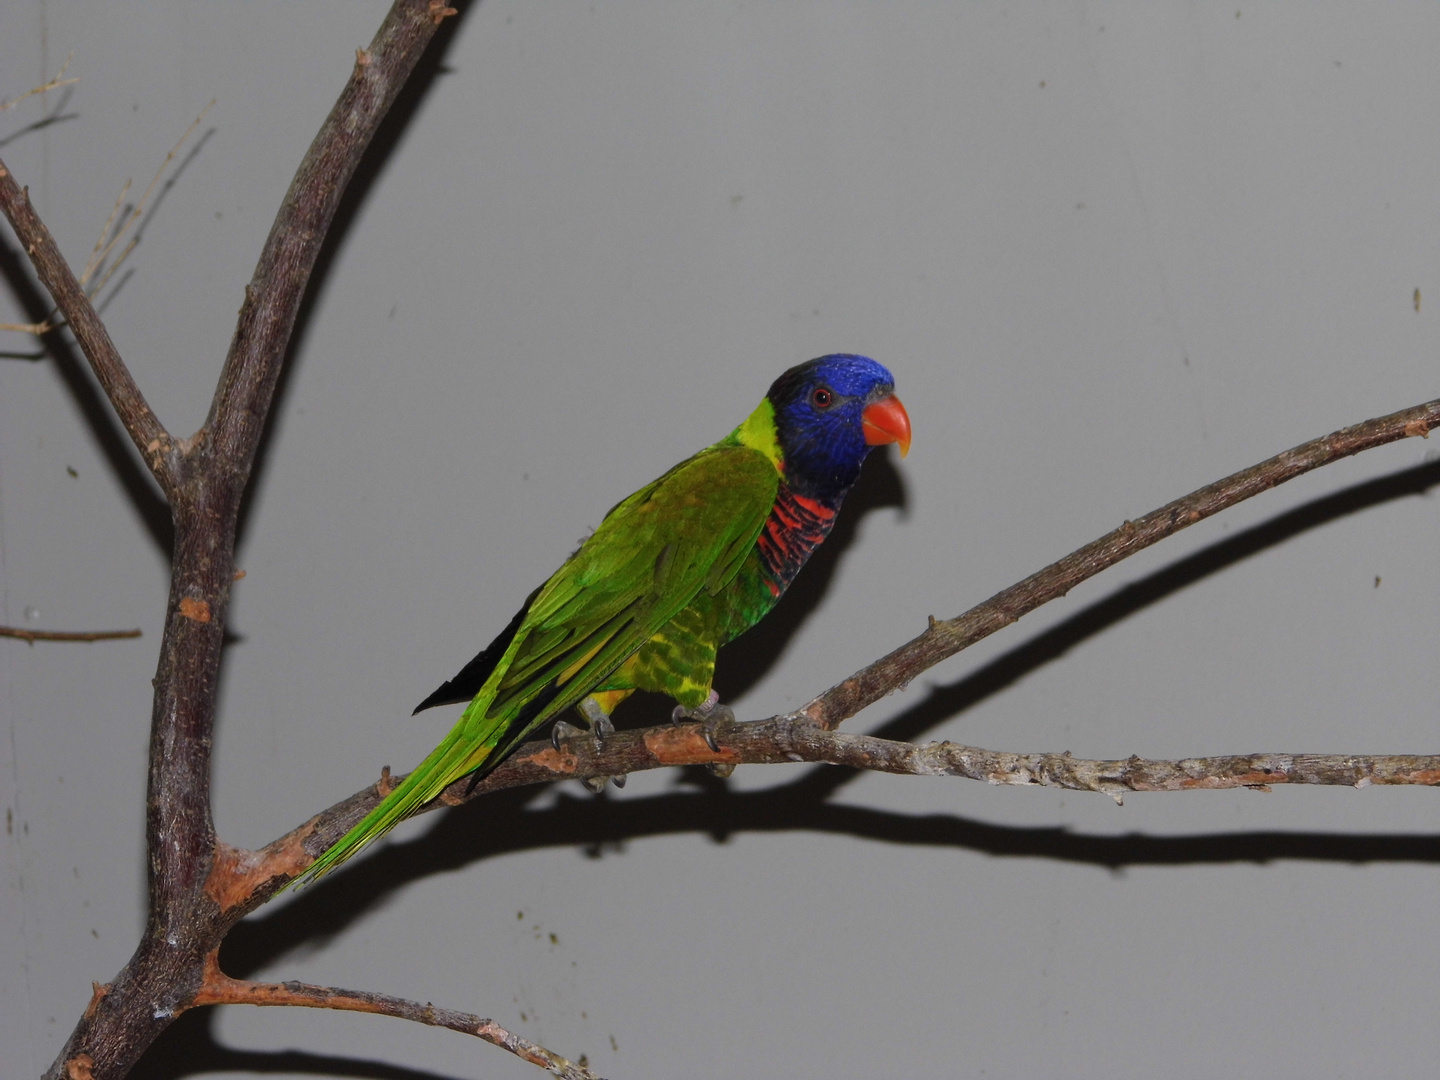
[(1111, 253)]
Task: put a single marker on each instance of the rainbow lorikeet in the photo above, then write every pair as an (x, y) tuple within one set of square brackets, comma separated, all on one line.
[(679, 568)]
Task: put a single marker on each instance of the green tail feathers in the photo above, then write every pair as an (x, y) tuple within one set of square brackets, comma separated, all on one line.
[(459, 754)]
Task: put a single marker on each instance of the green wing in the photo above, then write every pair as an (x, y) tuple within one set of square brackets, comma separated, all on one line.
[(686, 533)]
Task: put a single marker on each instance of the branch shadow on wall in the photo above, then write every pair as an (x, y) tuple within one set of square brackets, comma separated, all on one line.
[(115, 446), (190, 1047)]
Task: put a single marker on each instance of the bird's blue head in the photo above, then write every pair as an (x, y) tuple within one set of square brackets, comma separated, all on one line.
[(829, 412)]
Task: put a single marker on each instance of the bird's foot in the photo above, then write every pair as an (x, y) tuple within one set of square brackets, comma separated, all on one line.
[(601, 728), (563, 731), (713, 717)]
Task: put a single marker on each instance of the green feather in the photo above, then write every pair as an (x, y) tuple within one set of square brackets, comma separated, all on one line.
[(669, 576)]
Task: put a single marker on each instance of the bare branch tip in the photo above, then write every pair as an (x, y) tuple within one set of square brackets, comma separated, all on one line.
[(439, 11), (58, 81), (37, 329), (32, 636)]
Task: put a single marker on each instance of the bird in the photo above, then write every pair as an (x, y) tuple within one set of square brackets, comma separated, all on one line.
[(681, 567)]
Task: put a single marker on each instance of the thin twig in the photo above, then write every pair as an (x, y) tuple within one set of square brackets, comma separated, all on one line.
[(95, 256), (36, 328), (57, 81), (101, 253), (66, 635), (220, 989)]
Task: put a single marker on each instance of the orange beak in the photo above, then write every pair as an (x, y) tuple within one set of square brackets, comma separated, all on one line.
[(886, 421)]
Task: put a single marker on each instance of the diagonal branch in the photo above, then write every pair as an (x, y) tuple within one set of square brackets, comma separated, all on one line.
[(282, 275), (220, 989), (944, 639), (145, 430)]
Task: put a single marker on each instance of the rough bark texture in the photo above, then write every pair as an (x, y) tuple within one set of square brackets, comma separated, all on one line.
[(204, 479)]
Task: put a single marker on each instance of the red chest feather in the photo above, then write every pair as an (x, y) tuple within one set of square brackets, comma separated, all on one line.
[(794, 529)]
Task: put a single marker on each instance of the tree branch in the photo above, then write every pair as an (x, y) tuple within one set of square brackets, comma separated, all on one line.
[(205, 478), (944, 639), (220, 989), (244, 880), (273, 297), (145, 430), (58, 81), (33, 636)]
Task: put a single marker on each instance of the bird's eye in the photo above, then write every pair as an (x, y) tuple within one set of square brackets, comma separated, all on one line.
[(821, 397)]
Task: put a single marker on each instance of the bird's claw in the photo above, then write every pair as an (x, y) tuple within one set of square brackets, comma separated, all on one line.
[(601, 728), (680, 713), (713, 716), (562, 731)]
